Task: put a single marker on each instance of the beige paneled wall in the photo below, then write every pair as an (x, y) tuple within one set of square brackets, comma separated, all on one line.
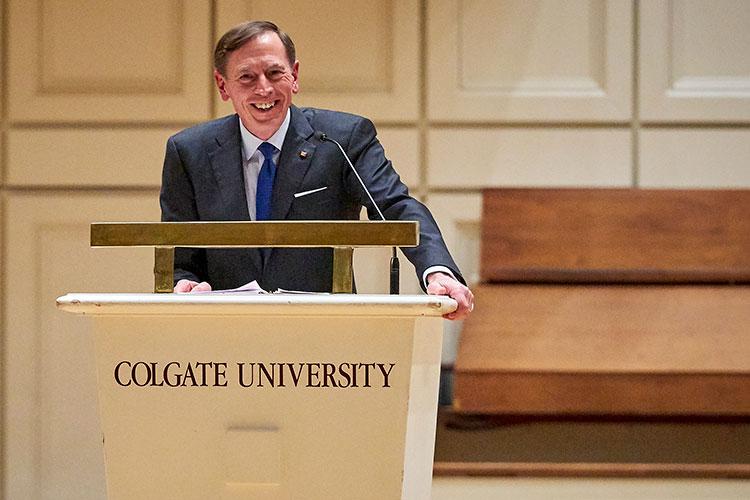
[(84, 61), (360, 56), (529, 61), (695, 157), (694, 72), (3, 350), (694, 64), (52, 440), (539, 156), (466, 94), (92, 156)]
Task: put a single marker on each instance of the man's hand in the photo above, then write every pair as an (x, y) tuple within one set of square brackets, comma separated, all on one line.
[(442, 284), (187, 286)]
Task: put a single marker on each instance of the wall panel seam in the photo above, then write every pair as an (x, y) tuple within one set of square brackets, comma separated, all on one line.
[(531, 125), (3, 233), (422, 190), (635, 118), (80, 125), (3, 99), (3, 297), (694, 125), (69, 189), (213, 19)]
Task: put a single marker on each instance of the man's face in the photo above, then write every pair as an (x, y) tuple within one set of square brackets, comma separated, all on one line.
[(260, 81)]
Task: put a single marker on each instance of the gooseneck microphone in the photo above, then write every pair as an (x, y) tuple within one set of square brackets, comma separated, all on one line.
[(394, 286)]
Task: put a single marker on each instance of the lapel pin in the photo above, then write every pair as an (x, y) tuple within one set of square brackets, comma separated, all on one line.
[(303, 154)]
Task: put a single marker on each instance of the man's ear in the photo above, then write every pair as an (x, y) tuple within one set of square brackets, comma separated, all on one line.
[(295, 75), (221, 85)]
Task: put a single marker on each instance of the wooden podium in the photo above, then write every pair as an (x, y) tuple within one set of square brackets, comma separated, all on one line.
[(266, 396)]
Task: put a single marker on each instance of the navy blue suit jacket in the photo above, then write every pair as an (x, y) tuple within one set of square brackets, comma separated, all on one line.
[(203, 181)]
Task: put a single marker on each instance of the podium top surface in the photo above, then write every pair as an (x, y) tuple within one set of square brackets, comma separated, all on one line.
[(102, 304)]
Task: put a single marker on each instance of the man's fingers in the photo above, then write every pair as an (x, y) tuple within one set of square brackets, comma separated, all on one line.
[(188, 286), (436, 288), (465, 299), (458, 292), (201, 287), (465, 306), (184, 286)]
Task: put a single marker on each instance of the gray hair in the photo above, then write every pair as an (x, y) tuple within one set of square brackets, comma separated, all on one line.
[(242, 33)]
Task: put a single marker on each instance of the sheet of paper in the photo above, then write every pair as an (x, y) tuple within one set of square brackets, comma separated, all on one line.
[(248, 288), (253, 288)]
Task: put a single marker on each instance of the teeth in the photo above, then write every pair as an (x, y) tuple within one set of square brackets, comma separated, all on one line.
[(263, 105)]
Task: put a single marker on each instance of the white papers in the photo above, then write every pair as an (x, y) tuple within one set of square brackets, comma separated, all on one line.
[(253, 288)]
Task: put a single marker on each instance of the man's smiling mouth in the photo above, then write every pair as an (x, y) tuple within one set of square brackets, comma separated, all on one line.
[(264, 106)]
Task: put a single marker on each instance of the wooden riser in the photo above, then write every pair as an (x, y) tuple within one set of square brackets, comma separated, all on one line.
[(694, 447), (602, 394), (619, 349), (615, 235)]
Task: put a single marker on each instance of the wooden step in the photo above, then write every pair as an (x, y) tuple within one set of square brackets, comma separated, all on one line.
[(592, 447), (615, 235), (606, 349)]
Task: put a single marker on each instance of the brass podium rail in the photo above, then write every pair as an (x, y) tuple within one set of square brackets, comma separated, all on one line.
[(342, 236)]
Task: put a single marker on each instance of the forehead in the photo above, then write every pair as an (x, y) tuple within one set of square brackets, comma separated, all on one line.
[(263, 50)]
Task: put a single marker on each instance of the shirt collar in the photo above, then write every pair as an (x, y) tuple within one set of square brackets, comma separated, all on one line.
[(250, 143)]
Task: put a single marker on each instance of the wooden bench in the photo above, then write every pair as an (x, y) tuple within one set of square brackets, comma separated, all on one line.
[(610, 302)]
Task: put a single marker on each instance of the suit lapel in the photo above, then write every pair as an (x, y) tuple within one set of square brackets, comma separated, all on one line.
[(226, 163), (296, 158)]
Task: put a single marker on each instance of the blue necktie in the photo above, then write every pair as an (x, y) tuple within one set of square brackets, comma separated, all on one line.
[(265, 182)]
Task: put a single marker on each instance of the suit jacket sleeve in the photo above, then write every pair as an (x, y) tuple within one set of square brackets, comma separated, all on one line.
[(178, 204), (393, 198)]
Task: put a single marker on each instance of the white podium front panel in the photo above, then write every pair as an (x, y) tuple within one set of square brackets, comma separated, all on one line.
[(284, 396)]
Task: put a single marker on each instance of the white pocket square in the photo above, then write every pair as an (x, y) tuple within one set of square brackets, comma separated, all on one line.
[(305, 193)]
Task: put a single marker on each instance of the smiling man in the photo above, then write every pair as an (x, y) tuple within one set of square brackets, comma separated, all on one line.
[(259, 77), (269, 162)]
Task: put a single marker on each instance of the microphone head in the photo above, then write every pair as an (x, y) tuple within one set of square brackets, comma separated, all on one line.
[(321, 136)]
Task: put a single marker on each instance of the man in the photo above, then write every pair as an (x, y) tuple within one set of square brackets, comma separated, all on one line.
[(269, 161)]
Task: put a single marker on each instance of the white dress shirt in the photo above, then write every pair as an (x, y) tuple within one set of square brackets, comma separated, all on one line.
[(252, 158)]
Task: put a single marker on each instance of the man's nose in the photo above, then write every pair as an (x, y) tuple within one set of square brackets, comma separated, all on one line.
[(263, 86)]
